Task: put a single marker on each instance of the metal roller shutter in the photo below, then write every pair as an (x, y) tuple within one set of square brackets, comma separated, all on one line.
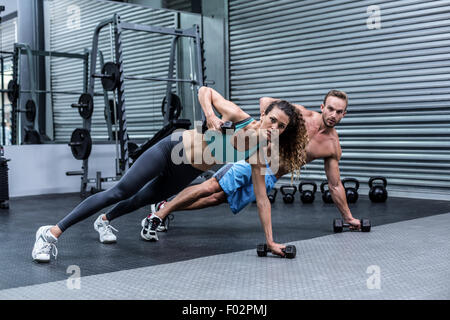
[(72, 25), (8, 32), (397, 78)]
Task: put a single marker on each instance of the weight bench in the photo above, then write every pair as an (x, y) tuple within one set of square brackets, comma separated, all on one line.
[(136, 151)]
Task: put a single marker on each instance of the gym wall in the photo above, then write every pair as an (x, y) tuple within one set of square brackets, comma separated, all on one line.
[(38, 169), (393, 60)]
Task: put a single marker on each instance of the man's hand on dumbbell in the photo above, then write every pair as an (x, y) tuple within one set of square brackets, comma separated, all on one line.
[(363, 224), (276, 248), (355, 224)]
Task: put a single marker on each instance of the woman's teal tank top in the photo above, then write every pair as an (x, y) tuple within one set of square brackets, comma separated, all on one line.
[(221, 147)]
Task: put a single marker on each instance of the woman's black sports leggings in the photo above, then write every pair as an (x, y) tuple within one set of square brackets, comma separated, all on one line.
[(152, 178)]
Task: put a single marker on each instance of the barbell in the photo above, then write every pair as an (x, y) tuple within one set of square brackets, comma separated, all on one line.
[(14, 90), (110, 74), (85, 103)]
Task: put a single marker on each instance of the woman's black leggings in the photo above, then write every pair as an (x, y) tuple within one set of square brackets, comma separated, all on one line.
[(152, 178)]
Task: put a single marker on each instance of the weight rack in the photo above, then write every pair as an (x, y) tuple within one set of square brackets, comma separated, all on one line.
[(24, 49)]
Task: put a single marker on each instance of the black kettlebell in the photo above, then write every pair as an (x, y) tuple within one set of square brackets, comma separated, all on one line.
[(307, 196), (272, 195), (288, 193), (377, 192), (351, 192), (326, 194)]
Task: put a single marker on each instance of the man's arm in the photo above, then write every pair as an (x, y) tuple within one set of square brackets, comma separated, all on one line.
[(337, 190), (264, 209), (189, 196), (264, 102)]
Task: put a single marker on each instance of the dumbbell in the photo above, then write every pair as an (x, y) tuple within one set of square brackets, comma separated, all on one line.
[(288, 193), (227, 125), (290, 251), (326, 194), (339, 225), (377, 192), (351, 192), (307, 196)]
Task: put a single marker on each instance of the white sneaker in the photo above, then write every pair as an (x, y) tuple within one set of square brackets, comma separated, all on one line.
[(148, 231), (164, 226), (44, 245), (105, 230)]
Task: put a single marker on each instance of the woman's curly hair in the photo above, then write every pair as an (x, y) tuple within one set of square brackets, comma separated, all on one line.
[(293, 139)]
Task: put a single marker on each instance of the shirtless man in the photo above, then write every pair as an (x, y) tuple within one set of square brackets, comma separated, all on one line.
[(323, 143)]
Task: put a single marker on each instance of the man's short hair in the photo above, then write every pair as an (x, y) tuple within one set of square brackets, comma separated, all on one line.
[(338, 94)]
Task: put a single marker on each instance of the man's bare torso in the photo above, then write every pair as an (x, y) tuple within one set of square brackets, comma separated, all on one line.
[(322, 143)]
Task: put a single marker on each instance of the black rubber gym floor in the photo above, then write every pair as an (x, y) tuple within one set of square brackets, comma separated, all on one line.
[(192, 234)]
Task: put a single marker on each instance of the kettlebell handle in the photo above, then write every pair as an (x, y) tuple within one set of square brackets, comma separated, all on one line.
[(372, 179), (288, 187), (322, 186), (300, 186), (347, 180)]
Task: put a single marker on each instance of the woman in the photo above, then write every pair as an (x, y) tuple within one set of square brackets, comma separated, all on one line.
[(171, 164)]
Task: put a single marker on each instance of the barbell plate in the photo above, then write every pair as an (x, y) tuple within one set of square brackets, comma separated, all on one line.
[(175, 106), (86, 103), (13, 91), (81, 143), (111, 76), (30, 110), (111, 110)]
